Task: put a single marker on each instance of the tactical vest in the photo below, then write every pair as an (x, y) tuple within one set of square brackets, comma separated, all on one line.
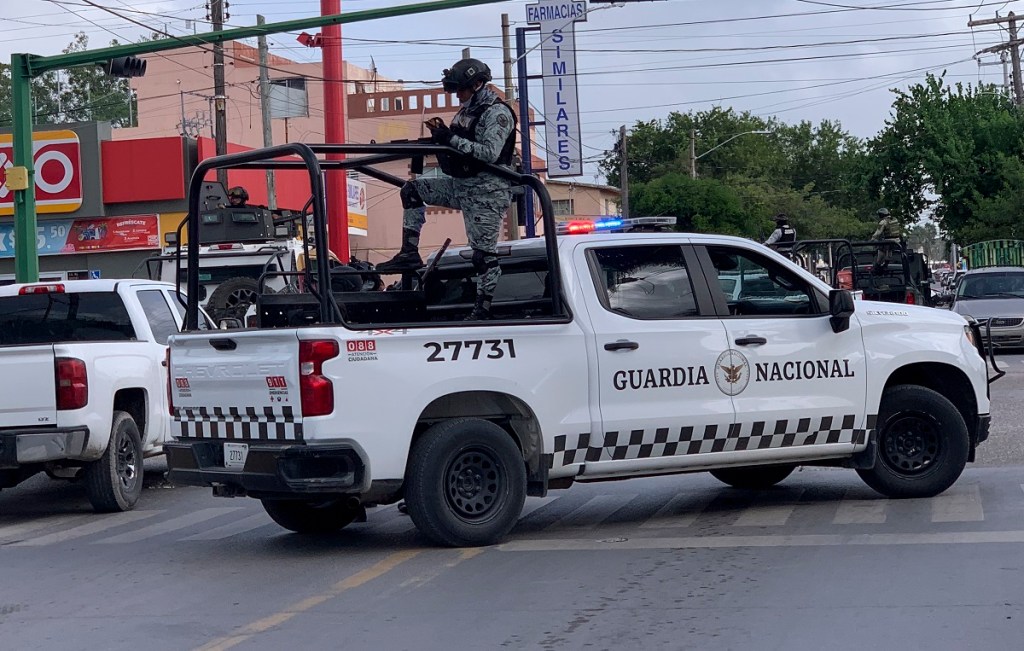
[(464, 125), (788, 234)]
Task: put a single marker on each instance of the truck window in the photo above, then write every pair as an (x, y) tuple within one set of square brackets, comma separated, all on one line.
[(752, 285), (644, 282), (57, 317), (158, 313)]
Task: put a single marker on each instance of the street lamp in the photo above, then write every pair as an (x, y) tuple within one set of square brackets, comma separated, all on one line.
[(693, 140)]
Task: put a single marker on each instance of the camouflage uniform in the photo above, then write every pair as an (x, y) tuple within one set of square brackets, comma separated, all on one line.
[(888, 229), (483, 198)]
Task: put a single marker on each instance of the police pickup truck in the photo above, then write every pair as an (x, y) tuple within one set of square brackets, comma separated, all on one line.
[(610, 356), (82, 374)]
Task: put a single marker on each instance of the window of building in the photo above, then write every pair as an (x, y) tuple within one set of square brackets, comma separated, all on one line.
[(562, 206)]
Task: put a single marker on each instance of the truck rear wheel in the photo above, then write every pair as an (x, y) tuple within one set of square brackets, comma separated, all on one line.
[(923, 444), (114, 481), (466, 483), (232, 298), (753, 477), (303, 516)]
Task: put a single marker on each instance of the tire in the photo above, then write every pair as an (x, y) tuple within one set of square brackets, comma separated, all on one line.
[(307, 517), (114, 481), (232, 298), (923, 444), (465, 484), (753, 477)]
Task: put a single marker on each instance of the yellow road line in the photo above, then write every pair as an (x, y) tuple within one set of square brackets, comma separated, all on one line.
[(278, 618)]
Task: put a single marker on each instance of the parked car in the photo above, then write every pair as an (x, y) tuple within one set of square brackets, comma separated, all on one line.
[(994, 296), (83, 375)]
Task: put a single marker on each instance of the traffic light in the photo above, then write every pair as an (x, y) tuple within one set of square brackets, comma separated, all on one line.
[(125, 67)]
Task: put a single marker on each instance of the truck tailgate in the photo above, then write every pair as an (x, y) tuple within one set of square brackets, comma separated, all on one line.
[(236, 385), (28, 386)]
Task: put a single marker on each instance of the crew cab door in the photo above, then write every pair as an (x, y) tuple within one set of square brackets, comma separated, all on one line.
[(797, 386), (655, 341)]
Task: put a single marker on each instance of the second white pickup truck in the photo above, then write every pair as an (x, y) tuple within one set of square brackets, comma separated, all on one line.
[(83, 378)]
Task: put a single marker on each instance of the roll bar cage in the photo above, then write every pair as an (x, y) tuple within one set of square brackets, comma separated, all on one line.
[(361, 158)]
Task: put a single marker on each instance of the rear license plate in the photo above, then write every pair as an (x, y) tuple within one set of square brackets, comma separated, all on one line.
[(235, 455)]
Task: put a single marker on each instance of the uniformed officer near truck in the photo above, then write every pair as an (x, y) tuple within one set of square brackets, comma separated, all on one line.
[(783, 236), (483, 131)]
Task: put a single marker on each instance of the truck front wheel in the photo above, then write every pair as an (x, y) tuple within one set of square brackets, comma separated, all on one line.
[(303, 516), (466, 483), (114, 481), (923, 444)]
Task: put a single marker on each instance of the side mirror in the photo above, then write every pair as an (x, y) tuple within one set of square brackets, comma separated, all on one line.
[(841, 307), (943, 300), (229, 324)]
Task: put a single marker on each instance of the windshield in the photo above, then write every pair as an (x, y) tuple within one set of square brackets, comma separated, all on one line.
[(992, 285), (55, 317)]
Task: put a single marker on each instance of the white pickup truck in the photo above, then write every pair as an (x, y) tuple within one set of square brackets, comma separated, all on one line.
[(668, 353), (82, 373)]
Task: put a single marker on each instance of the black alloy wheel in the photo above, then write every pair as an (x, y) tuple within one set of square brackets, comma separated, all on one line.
[(474, 487), (911, 443)]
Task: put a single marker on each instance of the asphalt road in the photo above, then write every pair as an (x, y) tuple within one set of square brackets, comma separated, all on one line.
[(683, 562)]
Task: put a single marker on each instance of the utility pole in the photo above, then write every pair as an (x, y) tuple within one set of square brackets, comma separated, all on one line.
[(693, 153), (1013, 46), (334, 132), (512, 216), (219, 98), (624, 172), (268, 134)]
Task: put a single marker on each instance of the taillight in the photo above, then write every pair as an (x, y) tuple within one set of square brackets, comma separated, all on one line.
[(55, 288), (72, 383), (910, 298), (316, 390)]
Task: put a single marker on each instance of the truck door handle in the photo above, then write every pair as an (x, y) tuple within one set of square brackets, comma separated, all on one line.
[(752, 340), (223, 344), (622, 344)]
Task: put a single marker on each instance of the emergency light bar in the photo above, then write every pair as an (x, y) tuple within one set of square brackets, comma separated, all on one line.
[(615, 225)]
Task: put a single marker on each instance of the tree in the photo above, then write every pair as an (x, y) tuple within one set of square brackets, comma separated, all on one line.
[(75, 95), (815, 174), (955, 151)]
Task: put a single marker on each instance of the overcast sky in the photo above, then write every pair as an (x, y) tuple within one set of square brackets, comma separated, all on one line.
[(796, 59)]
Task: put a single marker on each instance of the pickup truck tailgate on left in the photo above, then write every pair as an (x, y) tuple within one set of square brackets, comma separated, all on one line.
[(236, 385), (28, 384)]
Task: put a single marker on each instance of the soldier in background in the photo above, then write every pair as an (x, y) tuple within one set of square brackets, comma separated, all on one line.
[(483, 131), (888, 227), (784, 235)]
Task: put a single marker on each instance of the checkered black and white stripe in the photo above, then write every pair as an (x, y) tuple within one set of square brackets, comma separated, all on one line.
[(667, 442), (246, 423)]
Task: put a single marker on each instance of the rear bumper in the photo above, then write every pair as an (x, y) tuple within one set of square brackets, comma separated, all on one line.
[(338, 468), (33, 445)]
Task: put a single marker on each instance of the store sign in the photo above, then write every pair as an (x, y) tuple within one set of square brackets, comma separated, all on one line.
[(557, 22), (58, 172), (356, 208), (62, 236)]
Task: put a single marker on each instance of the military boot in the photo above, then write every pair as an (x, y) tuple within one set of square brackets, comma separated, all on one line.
[(408, 259), (481, 309)]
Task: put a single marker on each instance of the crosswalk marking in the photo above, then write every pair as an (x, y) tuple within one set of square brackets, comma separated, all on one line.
[(855, 511), (765, 516), (668, 515), (592, 512), (96, 525), (958, 504), (233, 528), (166, 526), (13, 531)]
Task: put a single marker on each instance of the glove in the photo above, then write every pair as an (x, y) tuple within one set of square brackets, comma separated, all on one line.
[(441, 134)]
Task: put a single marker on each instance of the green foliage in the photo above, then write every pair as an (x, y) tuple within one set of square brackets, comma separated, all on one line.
[(815, 174), (75, 95), (954, 150)]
